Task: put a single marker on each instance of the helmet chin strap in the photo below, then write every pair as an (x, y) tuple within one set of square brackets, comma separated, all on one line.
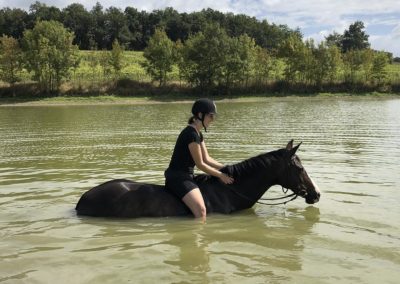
[(202, 122)]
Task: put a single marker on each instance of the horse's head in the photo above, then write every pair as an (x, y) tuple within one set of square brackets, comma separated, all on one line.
[(295, 177)]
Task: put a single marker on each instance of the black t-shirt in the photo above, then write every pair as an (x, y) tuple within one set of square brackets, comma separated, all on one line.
[(181, 158)]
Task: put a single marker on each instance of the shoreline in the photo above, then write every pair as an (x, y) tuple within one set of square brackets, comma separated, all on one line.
[(118, 100)]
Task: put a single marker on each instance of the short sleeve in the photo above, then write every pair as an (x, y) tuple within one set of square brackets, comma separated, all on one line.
[(194, 137)]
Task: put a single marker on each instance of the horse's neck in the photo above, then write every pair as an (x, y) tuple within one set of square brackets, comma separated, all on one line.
[(254, 176)]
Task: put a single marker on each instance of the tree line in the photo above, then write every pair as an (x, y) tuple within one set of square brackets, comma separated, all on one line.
[(211, 60), (99, 27)]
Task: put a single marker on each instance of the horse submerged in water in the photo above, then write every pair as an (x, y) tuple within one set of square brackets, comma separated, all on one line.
[(253, 177)]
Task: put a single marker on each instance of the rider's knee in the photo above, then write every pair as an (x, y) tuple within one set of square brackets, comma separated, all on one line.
[(200, 211)]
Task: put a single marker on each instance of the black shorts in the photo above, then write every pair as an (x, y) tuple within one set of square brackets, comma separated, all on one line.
[(179, 183)]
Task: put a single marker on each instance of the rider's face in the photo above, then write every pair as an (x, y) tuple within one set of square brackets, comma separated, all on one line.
[(208, 119)]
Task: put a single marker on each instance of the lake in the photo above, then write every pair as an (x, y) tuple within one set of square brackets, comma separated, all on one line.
[(50, 155)]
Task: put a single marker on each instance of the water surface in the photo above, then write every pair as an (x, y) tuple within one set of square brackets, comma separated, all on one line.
[(50, 155)]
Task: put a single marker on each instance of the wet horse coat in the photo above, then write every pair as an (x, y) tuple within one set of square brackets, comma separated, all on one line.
[(253, 177)]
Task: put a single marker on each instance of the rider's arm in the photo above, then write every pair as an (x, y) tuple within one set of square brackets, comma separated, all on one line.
[(207, 159), (196, 152)]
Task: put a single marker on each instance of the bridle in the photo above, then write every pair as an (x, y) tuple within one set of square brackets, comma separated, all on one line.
[(293, 195)]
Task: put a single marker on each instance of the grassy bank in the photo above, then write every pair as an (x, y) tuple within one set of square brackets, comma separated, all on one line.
[(172, 98), (92, 84)]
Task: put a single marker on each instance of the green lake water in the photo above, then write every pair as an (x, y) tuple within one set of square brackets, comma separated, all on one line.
[(50, 155)]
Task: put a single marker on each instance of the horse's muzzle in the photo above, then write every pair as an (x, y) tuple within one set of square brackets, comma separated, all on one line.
[(313, 197)]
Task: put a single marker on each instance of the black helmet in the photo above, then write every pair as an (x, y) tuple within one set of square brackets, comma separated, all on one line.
[(204, 106)]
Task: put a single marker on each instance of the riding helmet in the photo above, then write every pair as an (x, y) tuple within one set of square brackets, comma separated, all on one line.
[(204, 106)]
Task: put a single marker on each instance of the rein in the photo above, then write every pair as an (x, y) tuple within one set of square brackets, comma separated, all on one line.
[(292, 196), (269, 199)]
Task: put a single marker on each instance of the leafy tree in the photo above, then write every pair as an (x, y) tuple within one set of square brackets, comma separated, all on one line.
[(334, 62), (10, 59), (353, 61), (13, 22), (105, 56), (355, 37), (326, 64), (116, 27), (239, 60), (49, 53), (264, 65), (380, 62), (133, 18), (367, 63), (99, 33), (42, 12), (204, 57), (160, 56), (79, 21), (116, 57), (334, 39), (294, 52)]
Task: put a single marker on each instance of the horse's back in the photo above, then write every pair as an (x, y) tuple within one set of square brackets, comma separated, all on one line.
[(126, 198)]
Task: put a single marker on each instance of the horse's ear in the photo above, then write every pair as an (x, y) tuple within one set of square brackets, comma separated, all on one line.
[(289, 145), (294, 150)]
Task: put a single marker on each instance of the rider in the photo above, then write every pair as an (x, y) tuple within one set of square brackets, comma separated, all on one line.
[(190, 150)]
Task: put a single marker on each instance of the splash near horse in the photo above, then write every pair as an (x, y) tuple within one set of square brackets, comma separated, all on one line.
[(253, 177)]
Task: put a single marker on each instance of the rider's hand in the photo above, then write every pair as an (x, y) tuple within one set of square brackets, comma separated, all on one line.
[(226, 179)]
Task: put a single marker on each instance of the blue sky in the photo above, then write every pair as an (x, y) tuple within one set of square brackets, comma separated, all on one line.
[(315, 18)]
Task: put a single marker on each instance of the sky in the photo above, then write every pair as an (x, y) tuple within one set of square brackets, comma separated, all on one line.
[(315, 18)]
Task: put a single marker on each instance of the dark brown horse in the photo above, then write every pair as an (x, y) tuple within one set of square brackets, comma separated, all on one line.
[(253, 177)]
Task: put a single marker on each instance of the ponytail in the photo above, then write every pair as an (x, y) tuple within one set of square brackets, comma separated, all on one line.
[(191, 119)]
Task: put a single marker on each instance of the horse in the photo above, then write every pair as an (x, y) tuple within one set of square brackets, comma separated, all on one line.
[(252, 178)]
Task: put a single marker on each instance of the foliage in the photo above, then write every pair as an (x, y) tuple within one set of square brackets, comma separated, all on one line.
[(160, 55), (205, 57), (99, 27), (49, 53), (10, 59), (355, 37), (116, 58), (379, 67)]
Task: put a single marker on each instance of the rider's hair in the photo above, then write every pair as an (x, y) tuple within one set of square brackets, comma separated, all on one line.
[(191, 119)]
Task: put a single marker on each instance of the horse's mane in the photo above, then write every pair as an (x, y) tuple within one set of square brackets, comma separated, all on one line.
[(253, 165)]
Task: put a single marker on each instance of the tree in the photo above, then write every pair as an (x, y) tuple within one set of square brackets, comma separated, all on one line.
[(49, 53), (238, 62), (116, 57), (10, 59), (13, 22), (353, 61), (355, 37), (42, 12), (327, 63), (160, 56), (99, 32), (294, 52), (116, 27), (334, 39), (204, 56), (134, 26), (78, 20), (264, 64), (380, 62), (367, 63)]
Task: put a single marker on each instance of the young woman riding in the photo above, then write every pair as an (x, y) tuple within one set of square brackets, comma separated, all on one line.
[(190, 150)]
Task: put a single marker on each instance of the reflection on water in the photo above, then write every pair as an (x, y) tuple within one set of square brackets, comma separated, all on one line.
[(50, 155)]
